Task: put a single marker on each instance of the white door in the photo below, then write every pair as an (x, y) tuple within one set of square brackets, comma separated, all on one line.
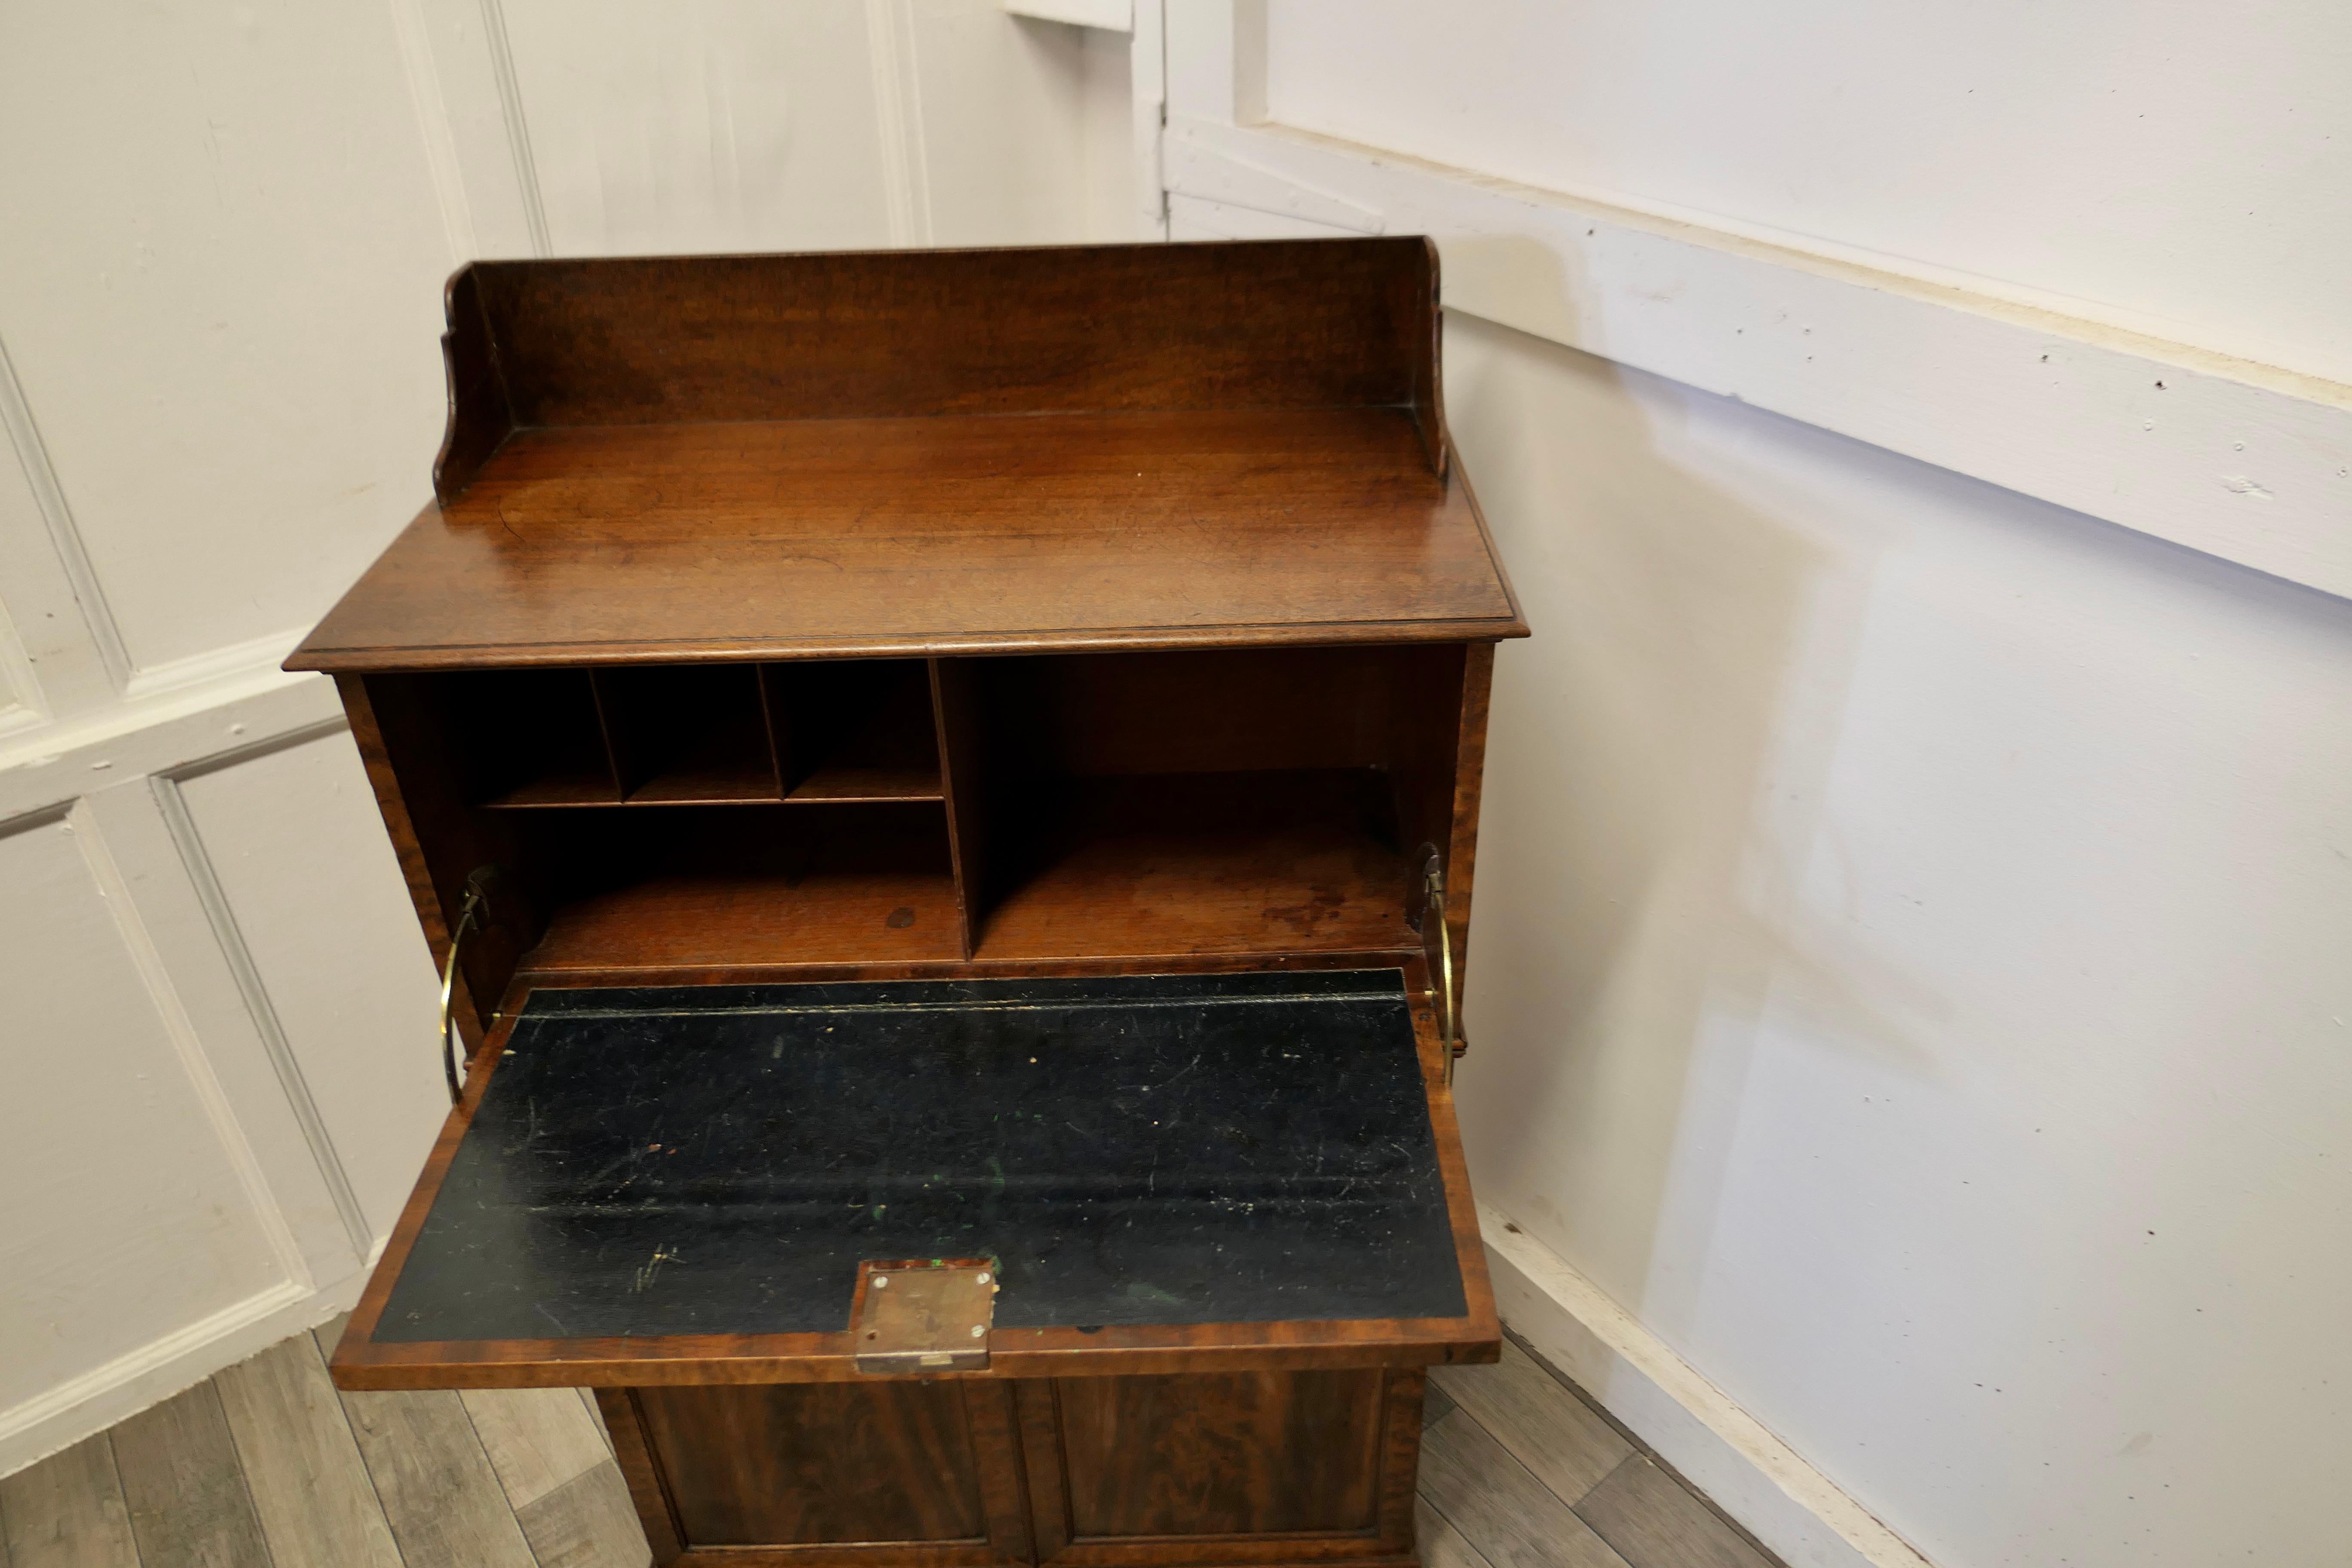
[(222, 236)]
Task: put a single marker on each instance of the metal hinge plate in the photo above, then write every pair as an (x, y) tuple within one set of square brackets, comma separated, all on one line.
[(919, 1315)]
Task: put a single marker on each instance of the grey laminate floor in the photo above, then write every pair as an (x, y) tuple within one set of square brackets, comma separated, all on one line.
[(265, 1466)]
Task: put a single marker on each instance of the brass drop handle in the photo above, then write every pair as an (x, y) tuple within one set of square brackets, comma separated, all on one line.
[(450, 1044), (1434, 930)]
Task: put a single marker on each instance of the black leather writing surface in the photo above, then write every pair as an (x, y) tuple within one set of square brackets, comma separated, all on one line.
[(1133, 1149)]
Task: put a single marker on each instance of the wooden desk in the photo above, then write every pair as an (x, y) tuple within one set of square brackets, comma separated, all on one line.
[(946, 756)]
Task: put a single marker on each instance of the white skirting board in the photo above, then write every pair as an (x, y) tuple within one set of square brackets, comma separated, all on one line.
[(90, 1404), (1721, 1450)]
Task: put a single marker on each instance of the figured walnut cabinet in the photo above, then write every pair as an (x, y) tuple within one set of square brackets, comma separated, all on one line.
[(1246, 1467), (946, 755)]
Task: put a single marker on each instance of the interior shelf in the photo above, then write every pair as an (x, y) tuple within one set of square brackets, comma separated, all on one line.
[(714, 888), (855, 731), (849, 782), (1276, 861), (889, 752), (1011, 810), (728, 761), (574, 786), (1301, 861), (719, 919)]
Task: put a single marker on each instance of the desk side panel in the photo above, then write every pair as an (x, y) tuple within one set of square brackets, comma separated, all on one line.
[(481, 417)]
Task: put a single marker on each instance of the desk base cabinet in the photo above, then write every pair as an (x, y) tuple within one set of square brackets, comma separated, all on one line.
[(1171, 1471)]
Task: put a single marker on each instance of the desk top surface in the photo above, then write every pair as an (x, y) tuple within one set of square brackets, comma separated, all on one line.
[(1133, 1150), (656, 460), (961, 533)]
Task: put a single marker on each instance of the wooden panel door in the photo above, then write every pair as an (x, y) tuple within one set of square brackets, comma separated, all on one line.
[(1222, 1468), (898, 1471)]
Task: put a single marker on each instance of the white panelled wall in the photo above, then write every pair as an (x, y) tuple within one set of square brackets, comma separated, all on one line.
[(1911, 981), (223, 231)]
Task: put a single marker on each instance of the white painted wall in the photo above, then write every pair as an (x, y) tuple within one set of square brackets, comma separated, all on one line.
[(220, 304), (1910, 971), (2181, 166), (218, 297), (1910, 967)]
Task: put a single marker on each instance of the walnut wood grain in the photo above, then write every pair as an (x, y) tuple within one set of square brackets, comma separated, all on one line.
[(481, 415), (1148, 446), (715, 918), (629, 888), (1208, 711), (963, 770), (1401, 1390), (415, 778), (947, 969), (1161, 865), (991, 1414), (625, 1422), (805, 1464), (1148, 1472), (1228, 1454), (1277, 324), (645, 543), (1259, 1468), (1469, 774)]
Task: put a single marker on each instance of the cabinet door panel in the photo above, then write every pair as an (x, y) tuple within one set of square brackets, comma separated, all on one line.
[(1221, 1467), (810, 1463), (1230, 1454)]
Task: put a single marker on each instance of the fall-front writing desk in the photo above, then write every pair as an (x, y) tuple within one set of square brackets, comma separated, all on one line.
[(952, 780)]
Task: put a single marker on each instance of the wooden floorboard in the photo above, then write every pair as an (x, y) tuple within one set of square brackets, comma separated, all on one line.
[(539, 1439), (186, 1491), (549, 1448), (443, 1500), (1546, 1428), (317, 1506), (587, 1522), (1442, 1545), (1508, 1516), (268, 1467), (1653, 1522), (68, 1511)]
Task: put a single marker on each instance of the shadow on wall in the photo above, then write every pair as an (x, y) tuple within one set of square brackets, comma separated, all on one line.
[(1668, 724), (1910, 965)]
